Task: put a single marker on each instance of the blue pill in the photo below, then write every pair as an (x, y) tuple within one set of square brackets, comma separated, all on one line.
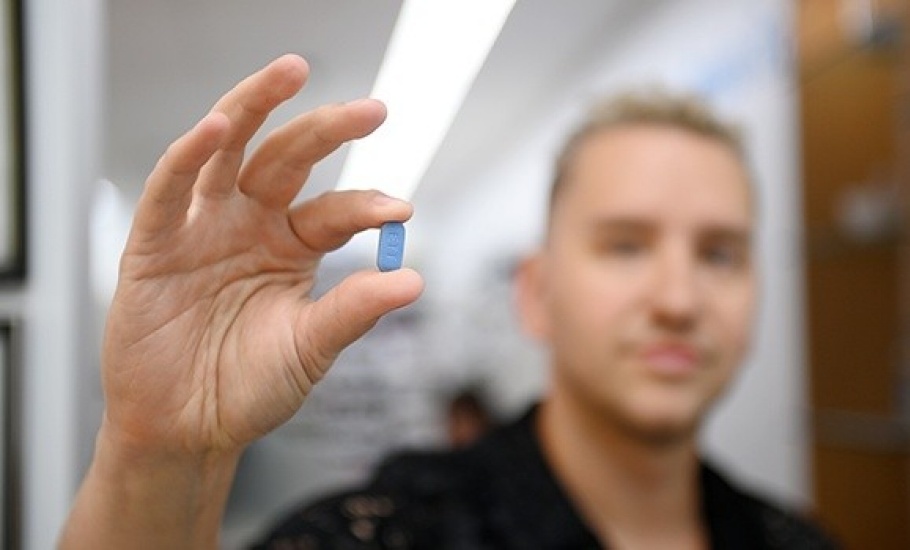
[(391, 246)]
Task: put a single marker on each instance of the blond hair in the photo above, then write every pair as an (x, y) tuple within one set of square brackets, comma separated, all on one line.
[(655, 107)]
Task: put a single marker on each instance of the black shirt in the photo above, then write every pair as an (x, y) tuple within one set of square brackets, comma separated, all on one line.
[(500, 494)]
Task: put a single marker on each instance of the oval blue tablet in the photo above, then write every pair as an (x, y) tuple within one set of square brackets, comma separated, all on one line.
[(391, 246)]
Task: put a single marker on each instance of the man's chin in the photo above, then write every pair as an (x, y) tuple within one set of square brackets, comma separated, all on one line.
[(662, 430)]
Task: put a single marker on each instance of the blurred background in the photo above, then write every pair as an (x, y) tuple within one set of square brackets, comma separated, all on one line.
[(818, 419)]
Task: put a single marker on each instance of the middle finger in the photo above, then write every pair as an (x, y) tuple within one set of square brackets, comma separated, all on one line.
[(279, 168), (247, 105)]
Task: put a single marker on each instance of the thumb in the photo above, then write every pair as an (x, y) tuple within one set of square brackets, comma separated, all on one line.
[(348, 311)]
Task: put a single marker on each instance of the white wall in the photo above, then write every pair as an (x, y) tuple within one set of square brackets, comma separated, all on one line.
[(736, 53), (63, 101)]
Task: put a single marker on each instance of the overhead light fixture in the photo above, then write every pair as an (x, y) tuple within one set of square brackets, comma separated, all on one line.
[(434, 54)]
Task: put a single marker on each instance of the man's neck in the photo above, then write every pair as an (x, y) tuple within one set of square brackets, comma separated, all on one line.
[(631, 492)]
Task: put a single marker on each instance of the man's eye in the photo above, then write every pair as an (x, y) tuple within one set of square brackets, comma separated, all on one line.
[(623, 247), (723, 256)]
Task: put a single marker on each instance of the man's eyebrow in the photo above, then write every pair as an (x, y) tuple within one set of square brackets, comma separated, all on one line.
[(728, 232), (620, 223), (733, 232)]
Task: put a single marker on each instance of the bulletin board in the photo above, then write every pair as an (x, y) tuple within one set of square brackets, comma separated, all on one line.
[(12, 148), (10, 504)]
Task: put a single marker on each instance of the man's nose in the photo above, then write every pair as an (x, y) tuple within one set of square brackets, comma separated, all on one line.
[(677, 294)]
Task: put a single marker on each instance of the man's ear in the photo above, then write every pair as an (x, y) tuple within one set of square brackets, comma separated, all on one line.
[(530, 297)]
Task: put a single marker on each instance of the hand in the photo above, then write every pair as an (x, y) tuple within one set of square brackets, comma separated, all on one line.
[(213, 338)]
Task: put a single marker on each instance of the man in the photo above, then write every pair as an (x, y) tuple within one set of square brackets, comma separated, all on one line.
[(643, 290)]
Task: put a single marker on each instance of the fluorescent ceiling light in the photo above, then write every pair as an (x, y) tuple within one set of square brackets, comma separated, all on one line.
[(435, 52)]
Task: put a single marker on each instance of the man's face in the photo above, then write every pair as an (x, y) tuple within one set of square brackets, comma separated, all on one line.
[(645, 288)]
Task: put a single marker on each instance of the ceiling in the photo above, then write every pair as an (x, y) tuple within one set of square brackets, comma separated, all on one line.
[(168, 60)]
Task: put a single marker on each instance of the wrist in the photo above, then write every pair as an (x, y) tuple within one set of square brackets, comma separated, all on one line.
[(148, 497), (129, 447)]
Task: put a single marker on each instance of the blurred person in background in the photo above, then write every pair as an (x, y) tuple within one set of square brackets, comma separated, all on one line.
[(643, 290), (468, 417)]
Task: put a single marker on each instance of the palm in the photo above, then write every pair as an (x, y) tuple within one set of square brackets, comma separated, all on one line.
[(213, 337), (223, 315)]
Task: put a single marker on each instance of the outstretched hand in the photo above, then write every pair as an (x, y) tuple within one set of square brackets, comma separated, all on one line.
[(213, 338)]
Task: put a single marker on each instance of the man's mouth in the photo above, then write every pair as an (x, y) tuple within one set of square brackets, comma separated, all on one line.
[(672, 359)]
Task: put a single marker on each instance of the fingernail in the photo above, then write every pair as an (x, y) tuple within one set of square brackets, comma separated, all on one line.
[(384, 200)]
